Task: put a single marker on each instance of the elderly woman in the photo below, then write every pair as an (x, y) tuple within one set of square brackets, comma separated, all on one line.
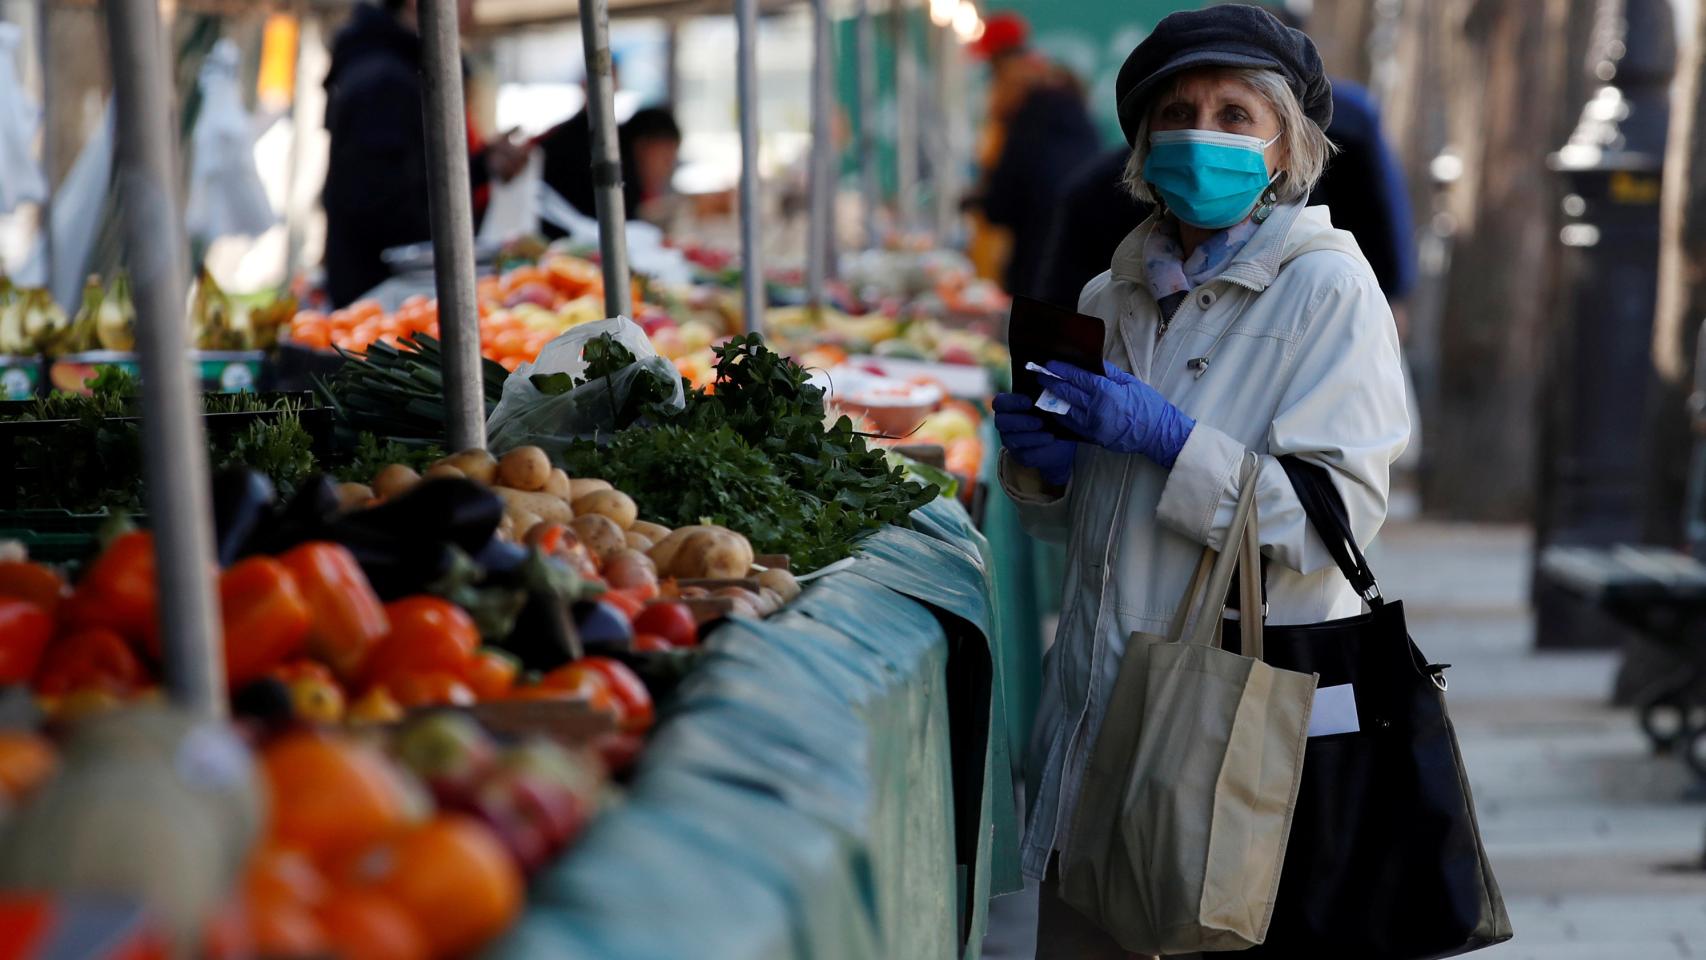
[(1237, 321)]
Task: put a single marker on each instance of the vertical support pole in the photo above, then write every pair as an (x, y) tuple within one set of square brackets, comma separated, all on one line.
[(606, 159), (44, 213), (944, 157), (672, 62), (174, 448), (821, 182), (746, 90), (905, 116), (865, 41), (451, 209)]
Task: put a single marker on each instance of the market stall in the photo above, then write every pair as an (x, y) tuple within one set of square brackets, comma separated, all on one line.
[(507, 561)]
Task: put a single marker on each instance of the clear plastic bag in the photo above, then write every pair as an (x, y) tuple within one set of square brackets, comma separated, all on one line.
[(226, 195), (525, 415), (21, 179)]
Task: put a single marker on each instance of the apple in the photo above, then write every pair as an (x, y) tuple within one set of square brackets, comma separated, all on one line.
[(534, 293), (447, 749)]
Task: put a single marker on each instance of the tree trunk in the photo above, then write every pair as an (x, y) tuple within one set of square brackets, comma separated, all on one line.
[(1682, 295), (1506, 102)]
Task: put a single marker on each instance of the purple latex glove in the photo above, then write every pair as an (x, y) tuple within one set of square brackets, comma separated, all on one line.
[(1120, 412), (1026, 441)]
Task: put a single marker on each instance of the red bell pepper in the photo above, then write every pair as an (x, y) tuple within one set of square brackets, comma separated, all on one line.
[(93, 659), (120, 591), (348, 617), (24, 631), (38, 584), (265, 616)]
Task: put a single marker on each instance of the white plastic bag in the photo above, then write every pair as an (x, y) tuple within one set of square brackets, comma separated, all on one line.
[(513, 210), (21, 178), (226, 195), (76, 219), (524, 415), (647, 254)]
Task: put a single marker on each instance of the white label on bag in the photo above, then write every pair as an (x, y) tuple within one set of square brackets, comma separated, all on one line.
[(1335, 711)]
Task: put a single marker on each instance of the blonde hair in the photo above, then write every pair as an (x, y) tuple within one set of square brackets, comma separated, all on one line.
[(1305, 148)]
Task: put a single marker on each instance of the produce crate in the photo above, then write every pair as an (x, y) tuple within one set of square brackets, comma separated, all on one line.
[(218, 371), (53, 536), (317, 420)]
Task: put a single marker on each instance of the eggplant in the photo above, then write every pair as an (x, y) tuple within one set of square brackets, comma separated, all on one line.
[(306, 517), (396, 567), (544, 637), (437, 511), (243, 502), (602, 627), (504, 563)]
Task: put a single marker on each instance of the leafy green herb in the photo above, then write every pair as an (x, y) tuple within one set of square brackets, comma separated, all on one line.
[(279, 448), (372, 455)]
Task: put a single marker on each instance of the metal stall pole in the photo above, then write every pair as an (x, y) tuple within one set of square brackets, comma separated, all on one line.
[(746, 89), (174, 448), (451, 211), (44, 212), (869, 185), (606, 159), (943, 172), (822, 178), (905, 116)]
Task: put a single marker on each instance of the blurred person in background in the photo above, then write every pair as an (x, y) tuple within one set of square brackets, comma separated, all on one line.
[(1363, 187), (376, 176), (649, 145), (1239, 322), (1038, 133)]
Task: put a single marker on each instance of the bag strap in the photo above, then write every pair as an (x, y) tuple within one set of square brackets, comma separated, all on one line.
[(1241, 553), (1326, 511)]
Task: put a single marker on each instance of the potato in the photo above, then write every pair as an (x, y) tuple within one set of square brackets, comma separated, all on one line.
[(745, 601), (542, 505), (663, 552), (476, 464), (654, 532), (781, 581), (600, 534), (557, 484), (524, 468), (696, 552), (638, 542), (506, 527), (580, 488), (394, 479), (442, 469), (354, 496), (523, 522), (614, 504), (772, 600)]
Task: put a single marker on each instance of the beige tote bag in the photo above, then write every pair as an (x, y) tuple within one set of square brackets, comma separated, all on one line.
[(1182, 820)]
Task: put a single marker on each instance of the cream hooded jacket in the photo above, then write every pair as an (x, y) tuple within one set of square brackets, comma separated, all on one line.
[(1291, 350)]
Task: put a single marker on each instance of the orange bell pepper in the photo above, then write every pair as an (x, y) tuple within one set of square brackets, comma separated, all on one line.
[(265, 616), (33, 582), (348, 617), (24, 632), (94, 659), (428, 635), (120, 592)]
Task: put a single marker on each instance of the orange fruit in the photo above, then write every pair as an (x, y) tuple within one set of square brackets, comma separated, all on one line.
[(25, 761), (281, 874), (367, 925), (331, 794), (453, 876), (284, 928), (491, 674)]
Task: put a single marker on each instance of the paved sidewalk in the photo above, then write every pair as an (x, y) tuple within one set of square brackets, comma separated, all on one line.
[(1591, 837)]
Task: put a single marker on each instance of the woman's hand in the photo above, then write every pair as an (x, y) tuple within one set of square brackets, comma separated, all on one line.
[(1120, 412), (1028, 443)]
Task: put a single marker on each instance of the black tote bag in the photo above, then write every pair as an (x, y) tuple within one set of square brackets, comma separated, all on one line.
[(1385, 860)]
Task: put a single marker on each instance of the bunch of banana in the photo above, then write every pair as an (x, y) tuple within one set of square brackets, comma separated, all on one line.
[(262, 324), (79, 335), (12, 339), (115, 318), (211, 317)]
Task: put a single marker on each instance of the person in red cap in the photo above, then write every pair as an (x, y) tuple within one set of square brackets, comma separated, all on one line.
[(1038, 132)]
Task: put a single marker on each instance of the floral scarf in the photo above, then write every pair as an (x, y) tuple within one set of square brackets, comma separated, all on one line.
[(1171, 272)]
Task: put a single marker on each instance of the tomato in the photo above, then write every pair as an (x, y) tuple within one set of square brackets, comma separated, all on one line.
[(624, 601), (428, 635), (430, 690), (573, 682), (651, 643), (672, 620), (636, 712), (33, 582), (119, 592)]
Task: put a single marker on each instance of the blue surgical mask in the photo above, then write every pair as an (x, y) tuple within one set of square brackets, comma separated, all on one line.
[(1208, 179)]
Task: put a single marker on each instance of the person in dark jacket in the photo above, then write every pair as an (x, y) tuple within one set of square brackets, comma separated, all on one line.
[(376, 177), (1363, 190), (649, 143)]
